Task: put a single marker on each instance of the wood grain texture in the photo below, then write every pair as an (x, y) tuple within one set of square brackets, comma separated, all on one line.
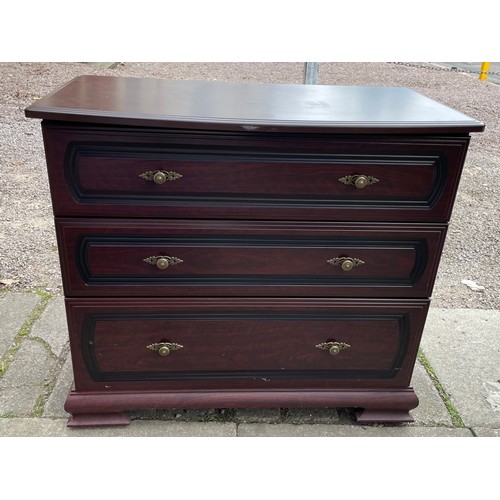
[(105, 257), (96, 172), (255, 208), (243, 343), (248, 106), (387, 405)]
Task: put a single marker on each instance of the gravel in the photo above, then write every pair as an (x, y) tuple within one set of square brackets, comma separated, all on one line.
[(28, 248)]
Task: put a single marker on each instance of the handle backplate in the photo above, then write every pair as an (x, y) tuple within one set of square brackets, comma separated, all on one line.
[(360, 181), (333, 348), (162, 261), (164, 348), (346, 263), (160, 176)]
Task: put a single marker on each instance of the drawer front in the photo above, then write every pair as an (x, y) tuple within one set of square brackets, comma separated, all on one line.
[(109, 257), (235, 342), (140, 173)]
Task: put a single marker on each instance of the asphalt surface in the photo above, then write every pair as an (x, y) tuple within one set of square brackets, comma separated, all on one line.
[(474, 68)]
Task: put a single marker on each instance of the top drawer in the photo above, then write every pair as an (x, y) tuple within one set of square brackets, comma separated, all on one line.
[(113, 171)]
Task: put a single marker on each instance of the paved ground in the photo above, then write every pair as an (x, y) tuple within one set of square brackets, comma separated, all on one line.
[(35, 369)]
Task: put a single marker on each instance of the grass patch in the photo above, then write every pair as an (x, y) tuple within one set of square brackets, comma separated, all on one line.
[(25, 329), (455, 416), (42, 399), (35, 314)]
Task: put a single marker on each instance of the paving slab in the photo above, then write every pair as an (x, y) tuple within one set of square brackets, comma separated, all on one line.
[(45, 427), (54, 407), (18, 402), (253, 415), (322, 430), (51, 326), (31, 366), (25, 379), (14, 310), (431, 410), (486, 432), (463, 347), (312, 416)]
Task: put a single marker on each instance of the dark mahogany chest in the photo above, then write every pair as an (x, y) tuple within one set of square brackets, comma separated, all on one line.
[(230, 245)]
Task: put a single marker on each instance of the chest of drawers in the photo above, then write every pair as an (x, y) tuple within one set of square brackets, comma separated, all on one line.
[(247, 245)]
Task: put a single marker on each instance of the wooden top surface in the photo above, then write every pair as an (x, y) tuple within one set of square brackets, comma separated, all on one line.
[(211, 105)]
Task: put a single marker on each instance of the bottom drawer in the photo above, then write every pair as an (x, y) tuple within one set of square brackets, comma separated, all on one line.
[(183, 344)]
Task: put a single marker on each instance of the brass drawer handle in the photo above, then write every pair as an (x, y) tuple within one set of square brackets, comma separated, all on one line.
[(164, 348), (346, 263), (360, 181), (162, 261), (160, 176), (333, 347)]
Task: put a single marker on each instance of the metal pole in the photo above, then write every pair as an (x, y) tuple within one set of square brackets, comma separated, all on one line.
[(311, 73), (484, 71)]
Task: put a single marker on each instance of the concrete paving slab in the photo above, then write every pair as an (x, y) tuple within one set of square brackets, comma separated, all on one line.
[(486, 432), (312, 416), (14, 310), (31, 366), (321, 430), (54, 407), (25, 379), (44, 427), (463, 347), (18, 402), (51, 326), (254, 415), (431, 410)]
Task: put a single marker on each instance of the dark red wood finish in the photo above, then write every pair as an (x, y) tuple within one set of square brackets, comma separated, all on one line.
[(243, 343), (264, 341), (255, 210), (96, 172), (254, 107), (373, 406), (105, 257)]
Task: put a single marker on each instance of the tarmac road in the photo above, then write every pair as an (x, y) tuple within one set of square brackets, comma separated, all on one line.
[(475, 67)]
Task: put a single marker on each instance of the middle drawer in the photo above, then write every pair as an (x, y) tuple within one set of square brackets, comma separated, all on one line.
[(112, 257)]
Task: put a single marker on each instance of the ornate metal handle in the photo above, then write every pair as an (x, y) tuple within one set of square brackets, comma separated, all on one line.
[(360, 181), (164, 348), (346, 263), (160, 176), (162, 261), (333, 347)]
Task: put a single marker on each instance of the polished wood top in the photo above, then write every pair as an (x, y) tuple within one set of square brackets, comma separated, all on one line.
[(214, 105)]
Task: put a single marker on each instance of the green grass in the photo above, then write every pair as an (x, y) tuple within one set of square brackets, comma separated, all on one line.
[(35, 314), (25, 329), (455, 416)]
